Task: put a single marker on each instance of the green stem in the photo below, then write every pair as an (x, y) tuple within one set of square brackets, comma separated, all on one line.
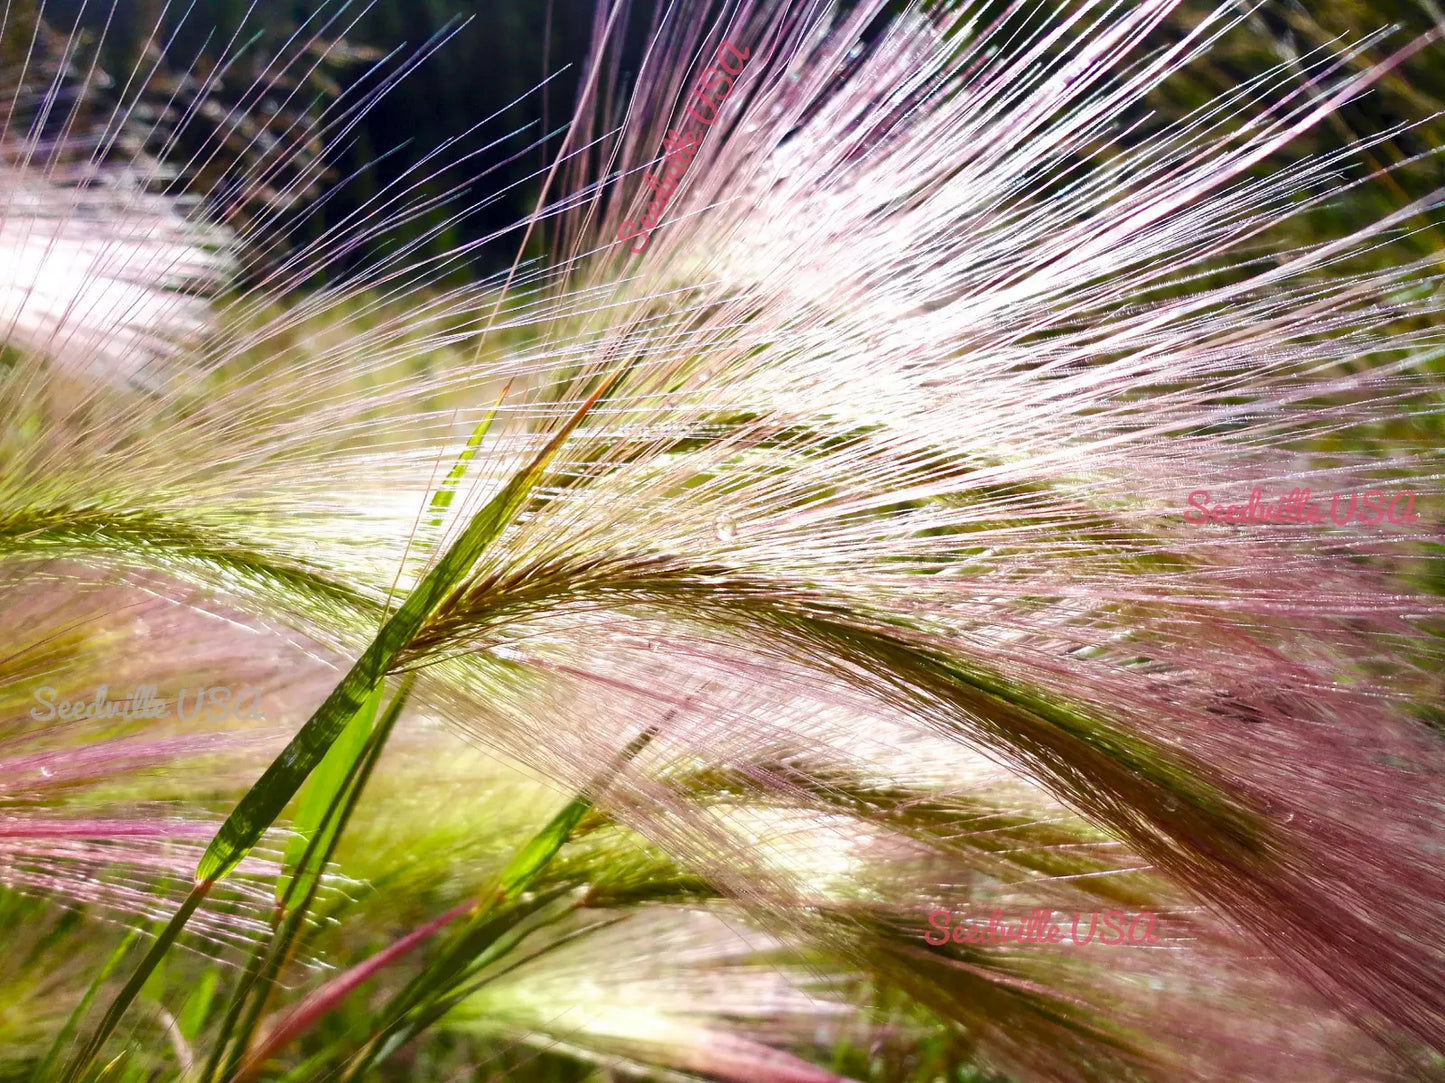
[(128, 993), (332, 827)]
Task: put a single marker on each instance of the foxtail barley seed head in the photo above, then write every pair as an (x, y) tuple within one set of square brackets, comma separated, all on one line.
[(863, 485)]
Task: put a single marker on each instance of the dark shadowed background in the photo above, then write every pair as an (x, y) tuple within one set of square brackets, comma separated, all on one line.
[(497, 52)]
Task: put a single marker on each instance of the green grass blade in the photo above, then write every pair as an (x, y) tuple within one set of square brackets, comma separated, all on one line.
[(251, 996), (198, 1006), (323, 790), (442, 499), (263, 803), (484, 928), (434, 1008), (469, 946), (137, 980), (47, 1065), (535, 854)]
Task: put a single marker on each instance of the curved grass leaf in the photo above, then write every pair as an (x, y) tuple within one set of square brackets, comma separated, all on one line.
[(259, 808), (321, 793), (137, 980), (256, 987), (47, 1064)]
